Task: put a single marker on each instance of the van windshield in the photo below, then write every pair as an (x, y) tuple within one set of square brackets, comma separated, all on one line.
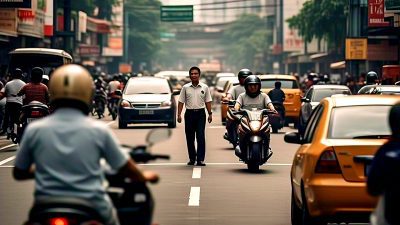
[(28, 61)]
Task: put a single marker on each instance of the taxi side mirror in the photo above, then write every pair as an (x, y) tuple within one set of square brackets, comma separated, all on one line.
[(293, 138)]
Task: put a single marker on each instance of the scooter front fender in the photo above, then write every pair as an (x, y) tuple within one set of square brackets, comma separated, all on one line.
[(255, 138)]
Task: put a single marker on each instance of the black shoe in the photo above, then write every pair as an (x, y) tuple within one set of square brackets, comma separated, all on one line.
[(190, 163), (200, 163)]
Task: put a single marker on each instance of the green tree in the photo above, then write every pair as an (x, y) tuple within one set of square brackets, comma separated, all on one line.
[(322, 19), (144, 31), (245, 38)]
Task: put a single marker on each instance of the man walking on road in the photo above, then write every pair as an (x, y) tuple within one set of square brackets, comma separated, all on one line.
[(196, 96)]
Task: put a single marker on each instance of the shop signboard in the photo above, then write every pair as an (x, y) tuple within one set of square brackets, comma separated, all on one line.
[(8, 22), (356, 48), (376, 13), (15, 3)]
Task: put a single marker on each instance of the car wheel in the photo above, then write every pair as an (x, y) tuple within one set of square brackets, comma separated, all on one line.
[(122, 124), (295, 212)]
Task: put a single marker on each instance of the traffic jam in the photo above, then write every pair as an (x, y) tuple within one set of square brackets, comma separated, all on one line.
[(208, 112)]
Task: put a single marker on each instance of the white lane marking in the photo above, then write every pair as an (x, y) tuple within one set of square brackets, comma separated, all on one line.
[(109, 123), (7, 160), (8, 146), (196, 173), (215, 127), (194, 197), (217, 164)]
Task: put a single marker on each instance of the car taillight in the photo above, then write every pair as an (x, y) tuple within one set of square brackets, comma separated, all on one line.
[(36, 113), (59, 221), (328, 163)]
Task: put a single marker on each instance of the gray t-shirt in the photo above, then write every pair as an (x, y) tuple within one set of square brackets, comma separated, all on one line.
[(12, 88), (66, 148), (235, 91), (259, 102)]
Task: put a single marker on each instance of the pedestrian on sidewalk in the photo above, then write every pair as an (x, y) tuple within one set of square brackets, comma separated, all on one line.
[(196, 97)]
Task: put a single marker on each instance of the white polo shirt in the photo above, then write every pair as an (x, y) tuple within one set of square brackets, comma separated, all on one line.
[(195, 97)]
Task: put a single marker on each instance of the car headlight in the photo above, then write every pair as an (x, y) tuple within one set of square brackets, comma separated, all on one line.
[(125, 104), (166, 103)]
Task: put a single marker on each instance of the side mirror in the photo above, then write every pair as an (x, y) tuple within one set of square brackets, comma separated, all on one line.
[(293, 138), (304, 99), (118, 92), (157, 135), (231, 103), (176, 92)]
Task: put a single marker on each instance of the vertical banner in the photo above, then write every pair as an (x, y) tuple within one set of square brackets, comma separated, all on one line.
[(292, 42), (48, 18), (115, 42), (376, 13)]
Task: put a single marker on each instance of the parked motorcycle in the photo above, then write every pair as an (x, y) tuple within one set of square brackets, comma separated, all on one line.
[(232, 122), (30, 112), (254, 137), (277, 121), (132, 200)]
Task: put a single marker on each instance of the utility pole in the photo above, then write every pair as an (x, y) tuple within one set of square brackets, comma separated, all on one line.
[(67, 27), (125, 32)]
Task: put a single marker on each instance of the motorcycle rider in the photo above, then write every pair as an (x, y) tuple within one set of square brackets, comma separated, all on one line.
[(234, 93), (69, 135), (371, 78), (384, 175), (35, 90), (13, 102), (277, 95), (253, 97)]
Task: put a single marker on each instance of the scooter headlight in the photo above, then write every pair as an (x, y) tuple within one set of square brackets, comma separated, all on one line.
[(255, 125)]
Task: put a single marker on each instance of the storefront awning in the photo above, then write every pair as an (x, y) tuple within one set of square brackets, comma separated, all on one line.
[(338, 65), (318, 55), (98, 25)]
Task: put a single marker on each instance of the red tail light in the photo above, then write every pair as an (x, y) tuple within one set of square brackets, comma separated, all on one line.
[(36, 113), (59, 221), (328, 163)]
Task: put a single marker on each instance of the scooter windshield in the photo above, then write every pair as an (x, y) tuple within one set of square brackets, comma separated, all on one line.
[(254, 114)]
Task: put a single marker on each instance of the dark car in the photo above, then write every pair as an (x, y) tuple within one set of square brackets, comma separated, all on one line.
[(312, 98), (147, 100)]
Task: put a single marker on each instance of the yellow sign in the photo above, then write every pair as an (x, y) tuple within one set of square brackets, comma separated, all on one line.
[(356, 48)]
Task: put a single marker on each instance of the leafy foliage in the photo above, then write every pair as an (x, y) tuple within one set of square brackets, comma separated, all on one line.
[(245, 38), (322, 19), (144, 30)]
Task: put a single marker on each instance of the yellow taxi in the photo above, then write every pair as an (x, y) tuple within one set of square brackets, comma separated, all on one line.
[(328, 174), (293, 93)]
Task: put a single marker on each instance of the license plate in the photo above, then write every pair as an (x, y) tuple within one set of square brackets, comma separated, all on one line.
[(367, 167), (146, 112), (29, 120)]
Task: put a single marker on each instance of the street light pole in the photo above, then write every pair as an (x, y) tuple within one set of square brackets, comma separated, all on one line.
[(126, 32)]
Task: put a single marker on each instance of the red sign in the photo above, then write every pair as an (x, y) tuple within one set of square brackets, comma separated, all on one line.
[(26, 14), (376, 13)]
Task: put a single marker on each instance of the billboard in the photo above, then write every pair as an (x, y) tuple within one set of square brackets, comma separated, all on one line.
[(115, 42), (292, 42)]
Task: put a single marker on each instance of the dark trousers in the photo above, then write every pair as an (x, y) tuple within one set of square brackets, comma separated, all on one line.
[(13, 111), (195, 123)]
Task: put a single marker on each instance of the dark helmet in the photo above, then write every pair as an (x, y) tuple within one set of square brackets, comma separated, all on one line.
[(37, 74), (17, 73), (252, 79), (243, 73), (371, 77)]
